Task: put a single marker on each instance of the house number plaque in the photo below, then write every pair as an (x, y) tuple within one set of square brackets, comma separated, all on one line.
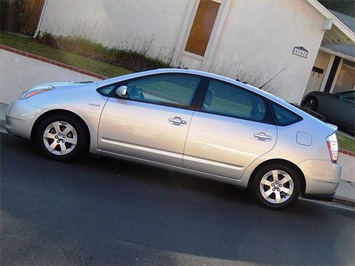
[(300, 51)]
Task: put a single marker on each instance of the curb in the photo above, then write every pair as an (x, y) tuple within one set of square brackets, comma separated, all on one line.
[(343, 201), (350, 153)]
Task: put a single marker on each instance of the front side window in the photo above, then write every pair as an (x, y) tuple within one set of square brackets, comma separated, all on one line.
[(229, 100), (107, 90), (167, 89)]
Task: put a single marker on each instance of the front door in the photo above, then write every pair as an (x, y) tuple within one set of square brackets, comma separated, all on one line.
[(151, 122)]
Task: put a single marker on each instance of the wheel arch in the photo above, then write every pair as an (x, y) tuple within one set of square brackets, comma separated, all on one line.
[(280, 161), (311, 97), (59, 112)]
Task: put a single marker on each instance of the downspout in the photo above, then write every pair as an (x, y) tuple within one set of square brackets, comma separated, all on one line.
[(40, 19)]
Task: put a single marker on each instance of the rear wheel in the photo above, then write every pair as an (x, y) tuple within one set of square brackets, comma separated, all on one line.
[(62, 137), (276, 186)]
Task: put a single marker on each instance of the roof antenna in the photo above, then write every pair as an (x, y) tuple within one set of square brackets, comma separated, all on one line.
[(272, 78)]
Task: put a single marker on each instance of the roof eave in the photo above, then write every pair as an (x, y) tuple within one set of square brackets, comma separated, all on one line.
[(350, 35)]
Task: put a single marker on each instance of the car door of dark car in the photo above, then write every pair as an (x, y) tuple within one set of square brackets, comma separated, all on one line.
[(339, 108), (151, 122), (229, 133), (348, 100)]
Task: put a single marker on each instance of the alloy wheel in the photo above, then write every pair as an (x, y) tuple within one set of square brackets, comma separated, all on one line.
[(276, 186), (60, 138)]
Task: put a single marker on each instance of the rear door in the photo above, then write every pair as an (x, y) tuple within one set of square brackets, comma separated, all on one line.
[(230, 132), (152, 120)]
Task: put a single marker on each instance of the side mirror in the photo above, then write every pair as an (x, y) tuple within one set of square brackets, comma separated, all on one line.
[(121, 91)]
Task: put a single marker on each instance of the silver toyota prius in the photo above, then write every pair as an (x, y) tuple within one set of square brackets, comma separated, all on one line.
[(190, 121)]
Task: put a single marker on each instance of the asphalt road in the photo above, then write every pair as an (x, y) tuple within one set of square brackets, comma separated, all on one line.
[(102, 211)]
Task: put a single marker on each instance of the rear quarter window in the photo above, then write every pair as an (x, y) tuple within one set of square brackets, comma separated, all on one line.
[(283, 116)]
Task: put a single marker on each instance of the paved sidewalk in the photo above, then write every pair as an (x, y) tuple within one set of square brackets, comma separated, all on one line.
[(345, 194)]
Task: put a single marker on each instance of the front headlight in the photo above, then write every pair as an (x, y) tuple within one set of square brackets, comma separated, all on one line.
[(35, 91)]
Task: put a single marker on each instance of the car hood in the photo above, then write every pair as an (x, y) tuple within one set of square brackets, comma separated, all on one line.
[(65, 84), (65, 94)]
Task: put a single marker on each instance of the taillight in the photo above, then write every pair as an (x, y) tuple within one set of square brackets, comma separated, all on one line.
[(332, 142)]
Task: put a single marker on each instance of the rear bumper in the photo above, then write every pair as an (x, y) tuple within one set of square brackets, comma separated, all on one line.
[(322, 178)]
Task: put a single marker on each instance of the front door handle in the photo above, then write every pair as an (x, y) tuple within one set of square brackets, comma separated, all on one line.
[(263, 136), (177, 121)]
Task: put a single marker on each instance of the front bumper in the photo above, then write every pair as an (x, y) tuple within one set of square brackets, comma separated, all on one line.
[(20, 118)]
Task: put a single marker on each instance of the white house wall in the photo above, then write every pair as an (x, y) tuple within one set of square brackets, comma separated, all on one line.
[(258, 39), (148, 26), (255, 43)]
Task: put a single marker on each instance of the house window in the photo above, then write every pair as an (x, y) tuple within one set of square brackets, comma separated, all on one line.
[(202, 26)]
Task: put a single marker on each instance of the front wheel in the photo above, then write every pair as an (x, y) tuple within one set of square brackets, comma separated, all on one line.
[(276, 186), (61, 137)]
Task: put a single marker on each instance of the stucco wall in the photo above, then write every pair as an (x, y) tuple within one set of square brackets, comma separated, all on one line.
[(256, 41), (151, 27), (19, 73)]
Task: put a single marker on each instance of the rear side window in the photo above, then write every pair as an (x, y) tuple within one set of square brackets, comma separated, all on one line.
[(283, 116), (230, 100)]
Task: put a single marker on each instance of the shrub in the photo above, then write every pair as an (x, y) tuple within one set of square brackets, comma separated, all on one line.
[(130, 59), (4, 5)]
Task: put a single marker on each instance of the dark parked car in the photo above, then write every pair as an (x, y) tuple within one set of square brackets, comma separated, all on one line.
[(337, 108)]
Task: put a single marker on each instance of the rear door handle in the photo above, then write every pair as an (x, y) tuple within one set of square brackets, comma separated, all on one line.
[(177, 121), (263, 136)]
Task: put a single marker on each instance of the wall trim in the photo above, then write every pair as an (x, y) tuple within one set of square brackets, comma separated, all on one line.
[(349, 153)]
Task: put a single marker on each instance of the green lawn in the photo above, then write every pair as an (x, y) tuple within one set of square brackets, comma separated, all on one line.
[(29, 45), (345, 142)]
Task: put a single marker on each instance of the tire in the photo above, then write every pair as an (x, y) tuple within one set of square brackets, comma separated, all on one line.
[(62, 137), (311, 103), (276, 186)]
